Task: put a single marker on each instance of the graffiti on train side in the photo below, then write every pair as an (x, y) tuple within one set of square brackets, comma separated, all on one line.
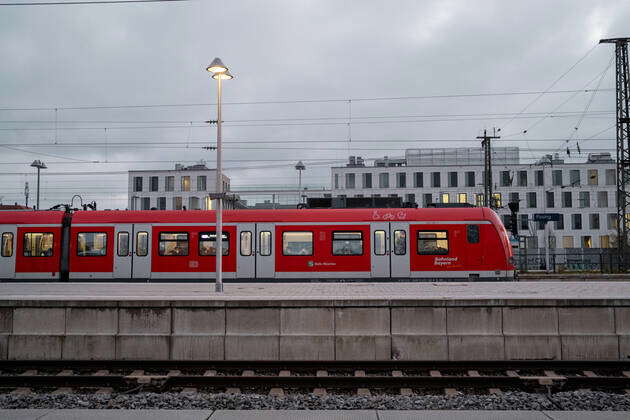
[(389, 215)]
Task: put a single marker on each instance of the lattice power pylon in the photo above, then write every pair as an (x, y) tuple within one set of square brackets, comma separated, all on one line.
[(623, 146)]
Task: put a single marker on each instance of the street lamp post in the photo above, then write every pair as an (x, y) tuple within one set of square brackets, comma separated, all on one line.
[(219, 73), (39, 165), (300, 167)]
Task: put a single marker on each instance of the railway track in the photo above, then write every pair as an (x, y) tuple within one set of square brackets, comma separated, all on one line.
[(276, 378)]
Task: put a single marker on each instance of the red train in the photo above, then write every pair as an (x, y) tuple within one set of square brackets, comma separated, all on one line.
[(340, 244)]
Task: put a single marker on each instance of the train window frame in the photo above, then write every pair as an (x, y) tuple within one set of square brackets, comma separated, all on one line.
[(160, 240), (225, 251), (418, 239), (52, 248), (269, 241), (383, 242), (146, 249), (118, 237), (404, 242), (248, 249), (472, 234), (309, 232), (336, 254), (91, 233), (3, 246)]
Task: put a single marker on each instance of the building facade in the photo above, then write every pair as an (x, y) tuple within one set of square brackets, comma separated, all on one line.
[(583, 194), (185, 187)]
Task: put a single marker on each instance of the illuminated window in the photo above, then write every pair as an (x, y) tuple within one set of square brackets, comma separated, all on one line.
[(185, 183), (593, 177), (604, 241), (479, 200), (432, 242), (207, 243), (567, 241), (173, 244), (444, 198), (496, 197), (587, 242), (7, 244), (38, 244), (462, 198), (297, 243), (347, 243)]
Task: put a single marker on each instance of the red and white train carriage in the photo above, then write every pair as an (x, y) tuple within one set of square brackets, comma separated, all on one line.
[(430, 244)]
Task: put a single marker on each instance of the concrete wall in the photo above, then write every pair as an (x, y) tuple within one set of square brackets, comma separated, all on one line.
[(316, 330)]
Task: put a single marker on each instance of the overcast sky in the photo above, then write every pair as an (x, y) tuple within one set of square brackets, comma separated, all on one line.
[(343, 57)]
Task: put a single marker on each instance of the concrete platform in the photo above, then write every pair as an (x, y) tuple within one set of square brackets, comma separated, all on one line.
[(307, 415), (316, 321)]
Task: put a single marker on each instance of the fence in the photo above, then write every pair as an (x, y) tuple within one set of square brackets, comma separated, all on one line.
[(593, 260)]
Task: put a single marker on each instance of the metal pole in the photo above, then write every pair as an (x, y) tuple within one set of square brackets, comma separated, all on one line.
[(299, 185), (219, 211), (38, 169)]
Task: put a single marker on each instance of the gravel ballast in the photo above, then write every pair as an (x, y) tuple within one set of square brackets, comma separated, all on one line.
[(578, 400)]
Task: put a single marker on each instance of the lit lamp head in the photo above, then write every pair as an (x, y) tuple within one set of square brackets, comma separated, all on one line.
[(217, 66), (223, 76)]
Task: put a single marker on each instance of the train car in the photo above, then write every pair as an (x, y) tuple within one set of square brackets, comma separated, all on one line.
[(264, 245)]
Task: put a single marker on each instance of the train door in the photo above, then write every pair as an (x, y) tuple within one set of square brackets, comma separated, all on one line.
[(265, 258), (246, 251), (141, 264), (7, 251), (380, 249), (122, 251), (399, 246)]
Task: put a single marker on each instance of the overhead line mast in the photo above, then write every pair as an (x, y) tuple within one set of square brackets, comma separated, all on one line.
[(487, 168), (623, 145)]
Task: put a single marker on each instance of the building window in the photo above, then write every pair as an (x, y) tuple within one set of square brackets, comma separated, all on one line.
[(444, 198), (576, 221), (246, 243), (379, 242), (472, 233), (522, 178), (567, 199), (146, 203), (7, 244), (427, 199), (556, 177), (567, 241), (38, 244), (410, 198), (367, 180), (265, 243), (208, 246), (612, 221), (297, 243), (602, 199), (161, 203), (383, 180), (177, 203), (336, 177), (201, 183), (611, 177), (154, 183), (506, 180), (550, 199), (479, 200), (531, 200), (593, 177), (173, 244), (496, 197), (514, 197), (524, 222), (432, 242), (142, 244), (531, 242), (91, 244), (400, 242), (347, 243), (185, 183), (350, 181), (452, 179), (435, 179), (470, 179), (193, 203), (506, 219), (122, 244), (137, 183), (587, 242), (462, 198), (574, 177), (559, 224), (169, 183), (594, 221), (418, 180), (604, 241), (585, 199), (540, 178), (401, 180)]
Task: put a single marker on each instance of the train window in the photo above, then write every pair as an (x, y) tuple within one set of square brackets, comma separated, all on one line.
[(246, 243), (7, 244), (207, 243), (265, 243), (173, 244), (38, 244), (297, 243), (91, 244), (347, 243), (400, 242), (472, 233), (123, 244), (379, 242), (142, 244), (432, 242)]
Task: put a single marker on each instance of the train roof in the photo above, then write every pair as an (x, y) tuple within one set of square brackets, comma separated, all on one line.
[(31, 217), (302, 215)]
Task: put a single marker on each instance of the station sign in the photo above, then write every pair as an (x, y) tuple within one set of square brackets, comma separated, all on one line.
[(547, 217)]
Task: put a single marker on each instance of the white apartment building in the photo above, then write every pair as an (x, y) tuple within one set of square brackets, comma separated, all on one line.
[(184, 187), (582, 193)]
